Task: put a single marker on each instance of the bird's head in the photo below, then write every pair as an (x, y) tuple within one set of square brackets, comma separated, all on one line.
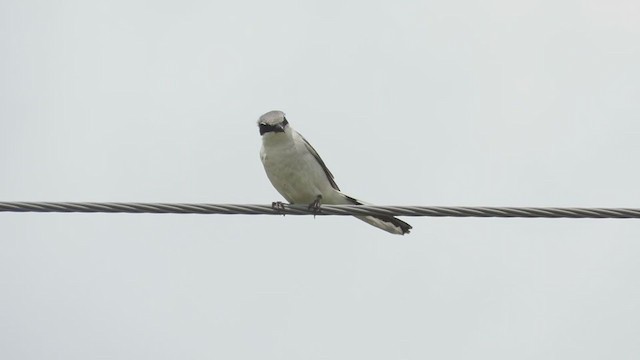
[(273, 122)]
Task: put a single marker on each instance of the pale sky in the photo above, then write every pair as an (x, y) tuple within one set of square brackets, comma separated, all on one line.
[(443, 103)]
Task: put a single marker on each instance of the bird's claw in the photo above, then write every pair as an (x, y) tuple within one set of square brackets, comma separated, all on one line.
[(278, 206), (315, 206)]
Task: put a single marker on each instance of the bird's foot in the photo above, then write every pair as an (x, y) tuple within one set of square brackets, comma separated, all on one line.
[(278, 206), (315, 206)]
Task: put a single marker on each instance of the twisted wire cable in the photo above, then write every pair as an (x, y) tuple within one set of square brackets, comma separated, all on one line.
[(249, 209)]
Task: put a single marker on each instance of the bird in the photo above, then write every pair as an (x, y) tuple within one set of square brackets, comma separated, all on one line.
[(299, 174)]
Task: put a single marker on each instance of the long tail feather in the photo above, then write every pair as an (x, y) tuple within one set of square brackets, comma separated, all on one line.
[(386, 223)]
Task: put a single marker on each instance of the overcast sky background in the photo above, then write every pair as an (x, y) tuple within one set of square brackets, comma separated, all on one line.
[(492, 103)]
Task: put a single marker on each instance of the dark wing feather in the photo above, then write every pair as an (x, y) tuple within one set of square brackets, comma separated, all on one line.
[(322, 164)]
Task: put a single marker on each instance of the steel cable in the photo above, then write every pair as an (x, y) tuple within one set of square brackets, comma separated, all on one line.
[(249, 209)]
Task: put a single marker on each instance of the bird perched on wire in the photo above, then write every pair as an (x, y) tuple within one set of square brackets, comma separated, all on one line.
[(298, 173)]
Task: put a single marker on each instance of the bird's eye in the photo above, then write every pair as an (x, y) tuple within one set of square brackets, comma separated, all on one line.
[(285, 122)]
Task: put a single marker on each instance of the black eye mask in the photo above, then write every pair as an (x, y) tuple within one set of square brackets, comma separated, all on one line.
[(264, 128)]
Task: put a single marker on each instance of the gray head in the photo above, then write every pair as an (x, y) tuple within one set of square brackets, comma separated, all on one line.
[(273, 121)]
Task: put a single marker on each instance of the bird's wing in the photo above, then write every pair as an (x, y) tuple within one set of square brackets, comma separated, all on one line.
[(322, 164)]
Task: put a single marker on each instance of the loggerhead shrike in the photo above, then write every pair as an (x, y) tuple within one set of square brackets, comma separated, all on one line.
[(298, 173)]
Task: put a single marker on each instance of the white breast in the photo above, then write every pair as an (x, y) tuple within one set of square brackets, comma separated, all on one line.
[(292, 169)]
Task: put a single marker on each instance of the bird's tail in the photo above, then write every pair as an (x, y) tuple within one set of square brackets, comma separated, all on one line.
[(386, 223)]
